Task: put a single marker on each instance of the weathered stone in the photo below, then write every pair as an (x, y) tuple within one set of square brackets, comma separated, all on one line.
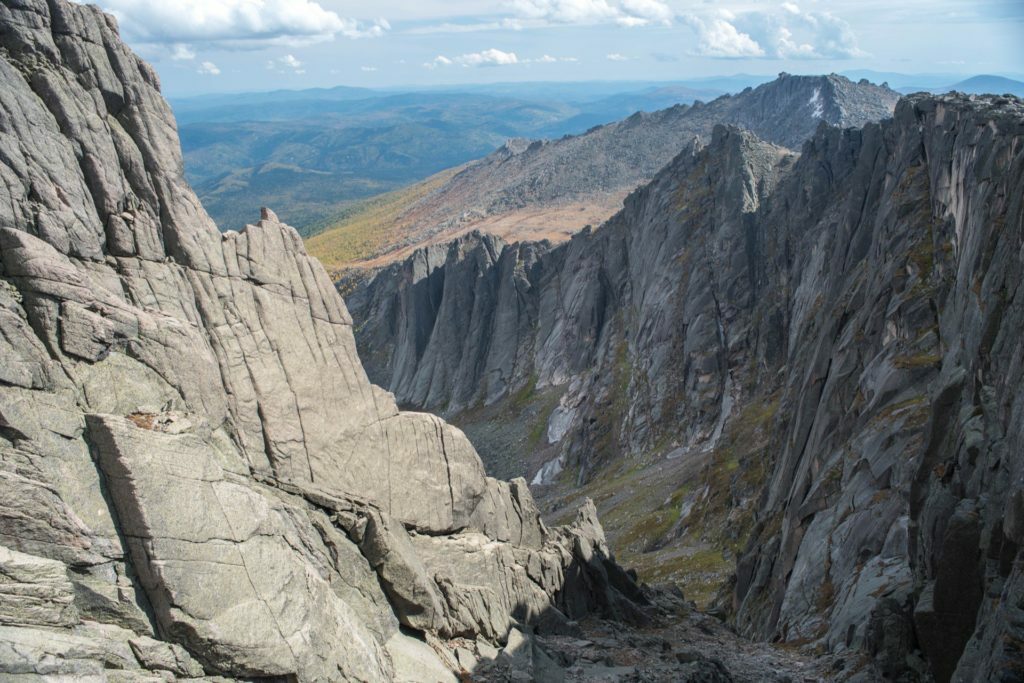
[(34, 591), (415, 661), (411, 590), (80, 654), (160, 656), (214, 558), (230, 422)]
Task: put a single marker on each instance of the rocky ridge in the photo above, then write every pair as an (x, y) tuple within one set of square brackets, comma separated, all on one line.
[(196, 477), (601, 166), (857, 306)]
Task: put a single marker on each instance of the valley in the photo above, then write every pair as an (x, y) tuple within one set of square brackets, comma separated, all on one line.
[(745, 368), (693, 381)]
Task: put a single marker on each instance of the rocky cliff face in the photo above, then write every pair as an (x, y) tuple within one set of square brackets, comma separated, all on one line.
[(196, 475), (856, 309)]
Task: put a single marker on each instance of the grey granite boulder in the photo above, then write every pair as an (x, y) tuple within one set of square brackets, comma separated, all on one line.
[(223, 564)]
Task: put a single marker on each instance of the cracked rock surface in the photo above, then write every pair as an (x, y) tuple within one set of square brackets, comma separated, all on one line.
[(196, 476)]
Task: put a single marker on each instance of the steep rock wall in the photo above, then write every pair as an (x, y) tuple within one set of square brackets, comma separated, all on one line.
[(196, 475), (864, 292)]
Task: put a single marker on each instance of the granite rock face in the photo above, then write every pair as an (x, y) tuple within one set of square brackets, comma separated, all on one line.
[(194, 467), (863, 293), (476, 319)]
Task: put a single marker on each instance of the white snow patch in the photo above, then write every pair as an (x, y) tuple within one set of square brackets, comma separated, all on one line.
[(819, 106), (546, 474), (559, 422)]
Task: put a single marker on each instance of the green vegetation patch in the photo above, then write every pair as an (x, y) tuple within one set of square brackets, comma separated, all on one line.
[(369, 227)]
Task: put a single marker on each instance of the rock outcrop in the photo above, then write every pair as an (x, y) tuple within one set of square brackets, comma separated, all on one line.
[(196, 476), (861, 296)]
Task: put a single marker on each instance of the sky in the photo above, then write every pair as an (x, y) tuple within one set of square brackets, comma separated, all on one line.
[(220, 46)]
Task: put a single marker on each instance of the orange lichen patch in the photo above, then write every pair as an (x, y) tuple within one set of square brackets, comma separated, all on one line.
[(143, 420)]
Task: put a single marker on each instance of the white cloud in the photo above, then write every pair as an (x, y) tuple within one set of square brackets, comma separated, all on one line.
[(286, 64), (616, 57), (450, 27), (548, 59), (716, 37), (439, 60), (236, 23), (182, 53), (647, 12), (566, 11), (799, 34), (490, 57), (623, 12), (208, 69), (787, 33), (368, 68)]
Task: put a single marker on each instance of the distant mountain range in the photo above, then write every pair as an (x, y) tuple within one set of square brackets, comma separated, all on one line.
[(977, 85), (551, 189), (312, 152), (316, 154)]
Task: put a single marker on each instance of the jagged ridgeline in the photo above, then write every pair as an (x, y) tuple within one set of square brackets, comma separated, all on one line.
[(196, 477), (809, 363), (545, 188)]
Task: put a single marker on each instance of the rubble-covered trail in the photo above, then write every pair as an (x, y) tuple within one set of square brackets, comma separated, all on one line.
[(678, 644)]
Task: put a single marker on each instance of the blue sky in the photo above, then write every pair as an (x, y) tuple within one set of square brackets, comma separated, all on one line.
[(205, 46)]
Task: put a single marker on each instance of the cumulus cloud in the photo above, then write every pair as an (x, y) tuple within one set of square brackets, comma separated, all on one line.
[(566, 11), (182, 53), (439, 60), (208, 69), (368, 68), (493, 57), (798, 34), (788, 33), (716, 37), (236, 23), (648, 11), (291, 62), (622, 12), (490, 57), (616, 57), (548, 59), (285, 64)]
